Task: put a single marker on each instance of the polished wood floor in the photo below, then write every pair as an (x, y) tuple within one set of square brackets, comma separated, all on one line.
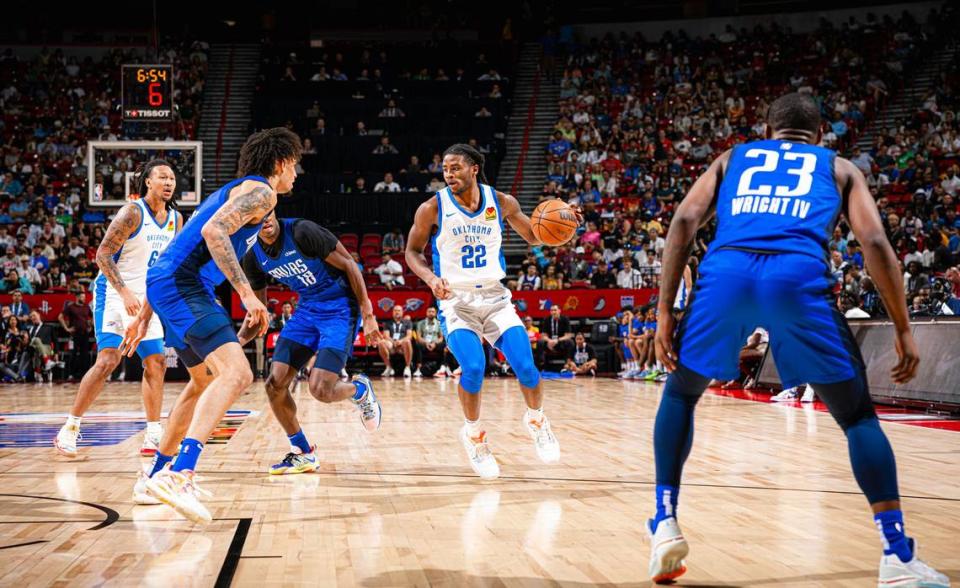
[(768, 498)]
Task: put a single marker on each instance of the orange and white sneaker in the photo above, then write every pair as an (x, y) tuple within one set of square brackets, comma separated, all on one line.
[(546, 444), (178, 491), (481, 459), (66, 440), (667, 550)]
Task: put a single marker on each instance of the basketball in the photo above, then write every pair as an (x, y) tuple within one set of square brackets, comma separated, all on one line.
[(554, 222)]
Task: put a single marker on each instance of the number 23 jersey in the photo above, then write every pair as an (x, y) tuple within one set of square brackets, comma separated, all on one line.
[(778, 197), (467, 245)]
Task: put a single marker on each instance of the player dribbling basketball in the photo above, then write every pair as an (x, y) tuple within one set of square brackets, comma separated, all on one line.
[(468, 265)]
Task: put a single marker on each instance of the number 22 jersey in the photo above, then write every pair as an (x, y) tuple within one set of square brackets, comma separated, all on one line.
[(466, 246)]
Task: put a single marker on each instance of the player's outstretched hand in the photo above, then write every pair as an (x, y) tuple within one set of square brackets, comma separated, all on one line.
[(440, 287), (371, 330), (909, 358), (248, 331), (130, 303), (132, 336), (663, 341), (257, 315), (578, 212)]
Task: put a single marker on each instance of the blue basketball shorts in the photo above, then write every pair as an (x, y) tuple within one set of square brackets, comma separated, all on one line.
[(326, 328), (191, 315), (789, 295)]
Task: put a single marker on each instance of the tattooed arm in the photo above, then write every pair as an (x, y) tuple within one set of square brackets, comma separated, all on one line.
[(121, 227), (249, 202)]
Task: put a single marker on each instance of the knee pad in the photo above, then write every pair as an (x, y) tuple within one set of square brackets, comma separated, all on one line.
[(516, 348), (849, 401)]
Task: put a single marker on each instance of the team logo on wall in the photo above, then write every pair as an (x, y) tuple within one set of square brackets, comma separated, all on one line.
[(490, 213), (412, 304), (571, 303), (521, 304), (545, 304), (626, 301), (386, 304)]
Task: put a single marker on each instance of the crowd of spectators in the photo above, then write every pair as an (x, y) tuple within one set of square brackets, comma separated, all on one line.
[(52, 104), (640, 120)]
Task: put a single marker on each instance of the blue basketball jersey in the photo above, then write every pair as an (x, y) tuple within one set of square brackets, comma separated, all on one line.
[(187, 256), (777, 197), (310, 277)]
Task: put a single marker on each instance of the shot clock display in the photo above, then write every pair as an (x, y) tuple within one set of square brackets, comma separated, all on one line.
[(147, 93)]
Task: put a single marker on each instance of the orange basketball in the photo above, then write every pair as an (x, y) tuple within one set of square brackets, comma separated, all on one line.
[(554, 222)]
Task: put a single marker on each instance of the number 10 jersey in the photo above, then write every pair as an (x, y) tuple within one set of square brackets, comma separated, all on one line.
[(467, 245)]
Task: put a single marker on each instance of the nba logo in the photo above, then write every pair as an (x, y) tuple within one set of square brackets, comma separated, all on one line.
[(98, 192)]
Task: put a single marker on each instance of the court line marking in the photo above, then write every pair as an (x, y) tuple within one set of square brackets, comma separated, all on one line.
[(234, 553), (111, 516), (25, 544)]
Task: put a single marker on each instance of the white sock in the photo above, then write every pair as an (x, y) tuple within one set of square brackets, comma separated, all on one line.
[(72, 420), (473, 427), (535, 414), (153, 425)]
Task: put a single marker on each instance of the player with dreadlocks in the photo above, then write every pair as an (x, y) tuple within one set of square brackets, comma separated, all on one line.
[(137, 235), (464, 226)]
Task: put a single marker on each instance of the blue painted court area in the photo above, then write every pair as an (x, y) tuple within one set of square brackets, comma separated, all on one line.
[(21, 430)]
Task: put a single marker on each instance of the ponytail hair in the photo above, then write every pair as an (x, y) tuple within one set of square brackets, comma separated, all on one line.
[(472, 155)]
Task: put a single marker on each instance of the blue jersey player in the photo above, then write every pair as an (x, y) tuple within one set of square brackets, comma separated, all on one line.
[(776, 203), (309, 260), (180, 289)]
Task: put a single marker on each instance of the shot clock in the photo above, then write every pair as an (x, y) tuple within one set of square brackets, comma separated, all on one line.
[(147, 93)]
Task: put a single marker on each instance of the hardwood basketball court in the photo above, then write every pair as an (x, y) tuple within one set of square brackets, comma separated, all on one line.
[(768, 498)]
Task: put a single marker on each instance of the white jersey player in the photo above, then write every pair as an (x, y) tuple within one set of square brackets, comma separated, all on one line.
[(133, 241), (466, 223)]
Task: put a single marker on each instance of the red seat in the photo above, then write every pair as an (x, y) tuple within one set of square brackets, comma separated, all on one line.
[(349, 241), (369, 251), (371, 239)]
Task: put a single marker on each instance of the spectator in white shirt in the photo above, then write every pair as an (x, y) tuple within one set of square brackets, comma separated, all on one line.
[(387, 185), (390, 272), (629, 276)]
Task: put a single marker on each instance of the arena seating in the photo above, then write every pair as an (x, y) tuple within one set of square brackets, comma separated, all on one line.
[(428, 112)]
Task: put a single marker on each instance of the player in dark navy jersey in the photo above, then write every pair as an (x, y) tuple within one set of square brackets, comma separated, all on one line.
[(180, 289), (777, 202), (309, 260)]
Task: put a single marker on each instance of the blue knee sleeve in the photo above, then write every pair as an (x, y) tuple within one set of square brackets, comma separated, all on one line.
[(467, 348), (515, 346)]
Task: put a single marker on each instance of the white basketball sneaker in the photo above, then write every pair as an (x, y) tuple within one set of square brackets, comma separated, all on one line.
[(478, 453), (151, 441), (441, 373), (788, 395), (66, 440), (913, 574), (387, 372), (140, 495), (667, 550), (369, 406), (808, 395), (177, 490), (407, 373), (547, 446)]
